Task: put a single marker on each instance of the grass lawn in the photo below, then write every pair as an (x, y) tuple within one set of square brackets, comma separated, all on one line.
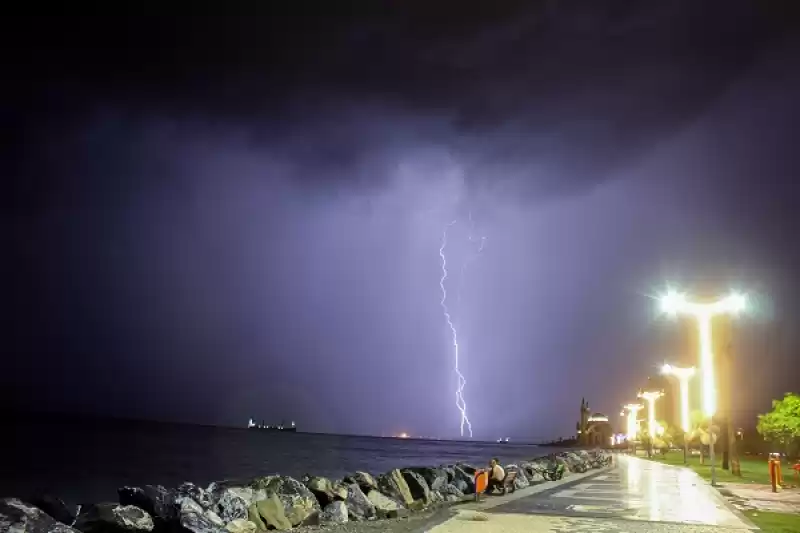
[(775, 522), (754, 469)]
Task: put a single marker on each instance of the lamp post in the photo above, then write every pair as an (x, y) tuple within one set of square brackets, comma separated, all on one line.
[(633, 413), (683, 375), (650, 397), (674, 303)]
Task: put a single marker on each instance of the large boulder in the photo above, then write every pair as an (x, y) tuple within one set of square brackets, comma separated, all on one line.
[(272, 513), (449, 472), (359, 507), (364, 480), (434, 477), (19, 517), (451, 490), (333, 513), (198, 494), (322, 488), (240, 526), (198, 520), (467, 478), (393, 484), (155, 499), (521, 480), (418, 486), (461, 485), (230, 506), (386, 507), (299, 504), (55, 507), (113, 518), (339, 490)]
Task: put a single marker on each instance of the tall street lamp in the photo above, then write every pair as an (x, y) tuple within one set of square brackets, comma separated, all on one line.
[(674, 303), (683, 375), (650, 397), (633, 414)]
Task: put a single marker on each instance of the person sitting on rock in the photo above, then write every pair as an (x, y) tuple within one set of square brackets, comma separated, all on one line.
[(496, 476)]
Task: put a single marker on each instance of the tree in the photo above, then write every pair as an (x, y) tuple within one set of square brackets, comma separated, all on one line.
[(782, 424)]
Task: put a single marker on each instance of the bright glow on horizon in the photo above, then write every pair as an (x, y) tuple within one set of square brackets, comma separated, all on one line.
[(674, 302), (460, 403), (683, 375)]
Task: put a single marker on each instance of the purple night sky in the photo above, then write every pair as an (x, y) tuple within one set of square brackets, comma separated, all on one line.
[(214, 218)]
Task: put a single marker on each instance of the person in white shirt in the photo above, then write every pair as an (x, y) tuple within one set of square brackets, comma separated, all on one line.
[(496, 476)]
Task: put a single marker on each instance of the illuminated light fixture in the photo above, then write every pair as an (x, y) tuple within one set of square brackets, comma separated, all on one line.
[(683, 375), (650, 397), (673, 303), (633, 412)]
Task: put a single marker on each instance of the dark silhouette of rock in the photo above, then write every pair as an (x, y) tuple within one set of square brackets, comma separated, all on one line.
[(434, 477), (55, 507)]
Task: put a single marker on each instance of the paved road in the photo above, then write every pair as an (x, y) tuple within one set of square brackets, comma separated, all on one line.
[(636, 495)]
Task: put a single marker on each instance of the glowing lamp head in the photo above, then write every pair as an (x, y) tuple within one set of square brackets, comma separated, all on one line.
[(672, 302), (666, 369), (735, 303)]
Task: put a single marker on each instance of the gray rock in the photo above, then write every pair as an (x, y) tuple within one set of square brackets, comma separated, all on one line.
[(385, 507), (272, 513), (241, 526), (113, 518), (521, 480), (364, 480), (230, 506), (394, 485), (340, 491), (322, 488), (418, 486), (334, 513), (434, 477), (451, 490), (449, 472), (359, 507), (198, 494), (198, 520), (452, 498), (463, 475), (461, 485), (155, 499), (19, 517), (55, 507), (299, 504)]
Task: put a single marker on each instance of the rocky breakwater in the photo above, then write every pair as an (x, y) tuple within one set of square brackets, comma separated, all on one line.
[(274, 502)]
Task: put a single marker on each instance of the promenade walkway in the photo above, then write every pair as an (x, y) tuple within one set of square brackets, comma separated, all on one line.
[(635, 495)]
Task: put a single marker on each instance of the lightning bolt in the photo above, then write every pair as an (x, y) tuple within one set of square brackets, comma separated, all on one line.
[(460, 403)]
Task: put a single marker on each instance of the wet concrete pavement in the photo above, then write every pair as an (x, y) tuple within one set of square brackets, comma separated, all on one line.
[(635, 495)]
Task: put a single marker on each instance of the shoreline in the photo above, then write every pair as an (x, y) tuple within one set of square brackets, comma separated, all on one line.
[(402, 499)]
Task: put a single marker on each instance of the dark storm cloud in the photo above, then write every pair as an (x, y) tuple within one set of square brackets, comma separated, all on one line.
[(227, 216), (539, 97)]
